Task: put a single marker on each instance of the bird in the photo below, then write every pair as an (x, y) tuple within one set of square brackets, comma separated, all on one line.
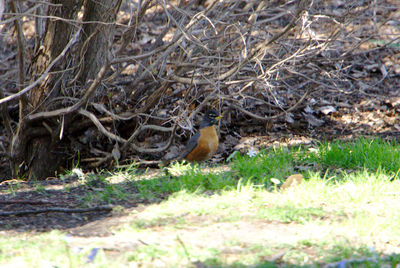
[(204, 143)]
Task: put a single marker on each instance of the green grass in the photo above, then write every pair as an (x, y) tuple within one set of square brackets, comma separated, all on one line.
[(43, 250), (274, 163), (256, 171), (362, 153), (264, 170), (347, 207), (351, 195)]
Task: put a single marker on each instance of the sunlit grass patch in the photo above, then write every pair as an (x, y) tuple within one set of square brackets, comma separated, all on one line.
[(344, 209), (267, 169), (44, 250), (273, 163), (372, 154), (289, 214)]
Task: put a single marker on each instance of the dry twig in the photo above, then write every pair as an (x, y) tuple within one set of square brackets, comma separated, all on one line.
[(55, 209)]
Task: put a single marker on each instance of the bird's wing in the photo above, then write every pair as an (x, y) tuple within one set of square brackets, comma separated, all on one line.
[(192, 143)]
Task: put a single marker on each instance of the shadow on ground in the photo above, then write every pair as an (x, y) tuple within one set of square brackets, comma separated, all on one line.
[(68, 193)]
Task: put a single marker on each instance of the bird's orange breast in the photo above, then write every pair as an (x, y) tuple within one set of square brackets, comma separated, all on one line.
[(207, 145)]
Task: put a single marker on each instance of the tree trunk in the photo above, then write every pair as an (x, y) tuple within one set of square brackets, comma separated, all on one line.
[(35, 149), (98, 37), (33, 155)]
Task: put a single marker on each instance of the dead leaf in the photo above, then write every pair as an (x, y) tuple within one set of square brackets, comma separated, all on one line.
[(116, 153), (245, 143), (327, 110), (313, 121), (289, 118), (275, 181), (308, 110), (292, 181), (268, 125), (343, 105), (372, 67), (231, 140), (393, 101), (173, 152), (277, 257)]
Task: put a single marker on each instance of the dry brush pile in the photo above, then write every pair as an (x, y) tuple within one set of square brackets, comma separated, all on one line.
[(269, 64)]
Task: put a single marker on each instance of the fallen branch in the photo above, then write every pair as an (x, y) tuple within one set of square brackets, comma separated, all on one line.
[(24, 201), (130, 143), (56, 209), (100, 127)]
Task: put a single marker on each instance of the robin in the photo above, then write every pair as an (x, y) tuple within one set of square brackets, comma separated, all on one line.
[(204, 143)]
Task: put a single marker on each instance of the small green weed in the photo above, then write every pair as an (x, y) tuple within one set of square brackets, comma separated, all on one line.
[(101, 191), (292, 213), (159, 221), (13, 188), (40, 188), (146, 253), (273, 163), (345, 250)]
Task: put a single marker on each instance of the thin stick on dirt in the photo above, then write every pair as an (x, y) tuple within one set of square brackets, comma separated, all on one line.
[(56, 209), (184, 247), (24, 201)]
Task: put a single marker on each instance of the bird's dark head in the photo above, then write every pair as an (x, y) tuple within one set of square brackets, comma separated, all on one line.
[(210, 118)]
